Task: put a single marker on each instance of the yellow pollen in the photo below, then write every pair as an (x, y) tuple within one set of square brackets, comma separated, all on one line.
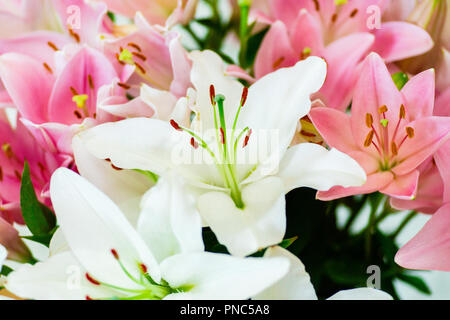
[(369, 139), (369, 120), (382, 109), (410, 132), (80, 100), (340, 2), (402, 114), (394, 149)]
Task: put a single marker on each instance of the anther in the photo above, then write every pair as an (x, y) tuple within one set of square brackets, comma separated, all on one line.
[(47, 67), (353, 13), (92, 280), (369, 120), (52, 45), (7, 150), (244, 96), (141, 68), (212, 94), (382, 109), (194, 143), (140, 56), (74, 35), (222, 135), (334, 17), (18, 175), (134, 45), (316, 5), (410, 132), (247, 138), (74, 91), (175, 125), (77, 114), (88, 298), (91, 82), (278, 63), (394, 149), (369, 139), (402, 114), (1, 174), (115, 254), (143, 268), (123, 85)]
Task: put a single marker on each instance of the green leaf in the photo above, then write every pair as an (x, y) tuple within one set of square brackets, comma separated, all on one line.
[(347, 271), (38, 218), (286, 243), (253, 44), (400, 79), (42, 238), (415, 282), (5, 271)]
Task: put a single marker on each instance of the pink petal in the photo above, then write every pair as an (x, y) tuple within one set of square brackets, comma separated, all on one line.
[(429, 192), (28, 83), (403, 187), (10, 239), (275, 51), (306, 33), (418, 94), (374, 183), (87, 63), (35, 45), (239, 73), (181, 66), (334, 127), (430, 248), (399, 40), (287, 10), (343, 57), (442, 158), (442, 107), (429, 135)]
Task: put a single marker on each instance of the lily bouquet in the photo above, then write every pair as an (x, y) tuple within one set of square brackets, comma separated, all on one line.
[(222, 149)]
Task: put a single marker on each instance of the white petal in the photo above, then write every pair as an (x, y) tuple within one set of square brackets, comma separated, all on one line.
[(145, 144), (218, 276), (208, 69), (260, 224), (310, 165), (3, 255), (59, 277), (163, 102), (58, 244), (93, 225), (295, 285), (124, 187), (361, 294), (277, 101), (169, 222)]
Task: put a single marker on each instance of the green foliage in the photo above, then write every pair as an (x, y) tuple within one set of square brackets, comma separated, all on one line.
[(400, 79), (39, 219)]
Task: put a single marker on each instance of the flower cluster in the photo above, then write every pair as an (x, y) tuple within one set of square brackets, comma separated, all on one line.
[(148, 152)]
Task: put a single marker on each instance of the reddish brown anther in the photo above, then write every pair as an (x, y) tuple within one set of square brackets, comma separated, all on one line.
[(369, 139), (143, 268), (410, 132), (369, 120), (92, 280), (194, 143), (115, 254), (212, 94), (175, 125), (222, 136), (244, 96)]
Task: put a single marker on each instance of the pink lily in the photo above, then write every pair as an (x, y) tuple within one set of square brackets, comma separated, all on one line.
[(434, 181), (337, 32), (161, 12), (430, 248), (156, 68), (55, 105), (390, 133), (17, 146)]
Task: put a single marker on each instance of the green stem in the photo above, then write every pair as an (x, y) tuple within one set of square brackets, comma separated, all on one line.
[(404, 223), (375, 202), (243, 31)]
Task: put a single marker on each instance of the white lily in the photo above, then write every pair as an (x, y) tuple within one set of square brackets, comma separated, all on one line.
[(113, 261), (235, 153), (296, 285)]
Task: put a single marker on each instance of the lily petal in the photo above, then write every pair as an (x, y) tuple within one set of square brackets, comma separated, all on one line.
[(244, 231), (218, 276), (361, 294), (83, 212), (430, 248), (313, 166)]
